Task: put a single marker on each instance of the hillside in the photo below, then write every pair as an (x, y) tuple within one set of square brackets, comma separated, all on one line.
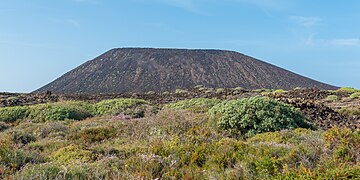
[(144, 69)]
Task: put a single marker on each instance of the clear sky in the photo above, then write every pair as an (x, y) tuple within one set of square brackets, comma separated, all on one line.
[(42, 39)]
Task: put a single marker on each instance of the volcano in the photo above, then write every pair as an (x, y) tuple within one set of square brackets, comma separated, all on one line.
[(128, 70)]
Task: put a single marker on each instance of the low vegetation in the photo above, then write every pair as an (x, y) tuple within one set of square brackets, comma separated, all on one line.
[(58, 112), (132, 107), (349, 111), (250, 116), (11, 114), (355, 95), (348, 90), (249, 138), (332, 98), (74, 110), (195, 105), (279, 91)]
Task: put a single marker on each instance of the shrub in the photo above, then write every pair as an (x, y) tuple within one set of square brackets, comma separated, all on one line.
[(10, 158), (70, 154), (226, 152), (47, 112), (52, 129), (349, 111), (95, 134), (13, 159), (235, 92), (258, 114), (194, 105), (263, 90), (45, 146), (238, 88), (23, 138), (355, 95), (59, 112), (332, 98), (348, 90), (202, 89), (170, 122), (344, 143), (279, 91), (180, 91), (3, 126), (83, 105), (151, 92), (296, 136), (133, 107), (299, 88), (209, 91), (42, 171), (165, 93), (220, 90), (11, 114), (12, 98), (105, 169)]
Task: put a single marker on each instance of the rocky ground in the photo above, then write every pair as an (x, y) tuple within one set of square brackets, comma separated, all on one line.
[(312, 102)]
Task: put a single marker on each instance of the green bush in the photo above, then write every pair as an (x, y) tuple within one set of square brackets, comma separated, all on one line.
[(220, 90), (133, 107), (23, 138), (11, 159), (202, 89), (349, 111), (180, 91), (151, 92), (299, 88), (347, 89), (11, 114), (95, 134), (262, 90), (344, 143), (45, 146), (52, 129), (332, 98), (355, 95), (250, 116), (70, 154), (89, 107), (279, 91), (59, 111), (42, 171), (165, 93), (47, 112), (194, 105), (110, 168)]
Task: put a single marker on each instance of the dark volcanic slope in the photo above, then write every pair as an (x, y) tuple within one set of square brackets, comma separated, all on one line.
[(145, 69)]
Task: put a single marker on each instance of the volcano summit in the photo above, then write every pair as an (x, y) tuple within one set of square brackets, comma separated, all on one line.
[(146, 69)]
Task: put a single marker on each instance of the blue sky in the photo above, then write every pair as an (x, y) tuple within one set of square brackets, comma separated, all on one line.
[(41, 39)]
